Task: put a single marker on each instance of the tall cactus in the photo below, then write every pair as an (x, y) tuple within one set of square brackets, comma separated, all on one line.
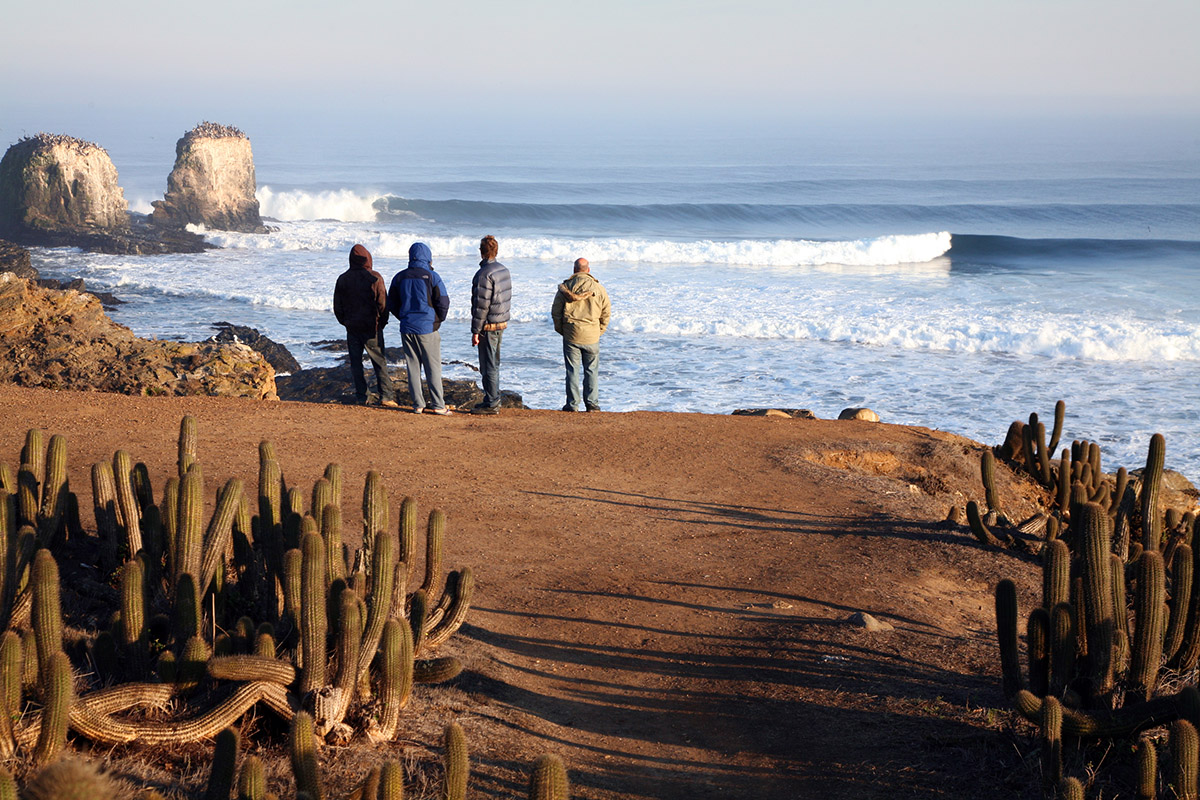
[(127, 502), (408, 530), (59, 694), (304, 756), (1006, 631), (374, 509), (188, 440), (987, 470), (54, 491), (189, 542), (396, 675), (1185, 753), (252, 781), (1147, 770), (457, 762), (47, 609), (1151, 485), (224, 766), (313, 623), (1094, 533), (435, 532), (1149, 604), (1052, 719)]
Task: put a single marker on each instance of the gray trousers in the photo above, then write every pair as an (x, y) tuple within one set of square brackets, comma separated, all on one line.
[(424, 351)]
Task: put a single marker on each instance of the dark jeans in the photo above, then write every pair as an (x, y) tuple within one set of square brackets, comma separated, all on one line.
[(356, 343), (489, 367)]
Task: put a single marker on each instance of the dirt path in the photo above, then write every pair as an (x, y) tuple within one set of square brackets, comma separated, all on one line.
[(661, 598)]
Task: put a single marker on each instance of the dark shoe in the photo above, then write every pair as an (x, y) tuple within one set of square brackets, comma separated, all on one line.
[(568, 408), (593, 408), (390, 404), (486, 410)]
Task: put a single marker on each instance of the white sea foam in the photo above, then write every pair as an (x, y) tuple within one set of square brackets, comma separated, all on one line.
[(877, 251), (342, 205)]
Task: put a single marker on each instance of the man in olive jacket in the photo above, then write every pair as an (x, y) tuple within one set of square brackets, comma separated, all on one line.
[(581, 311), (360, 304)]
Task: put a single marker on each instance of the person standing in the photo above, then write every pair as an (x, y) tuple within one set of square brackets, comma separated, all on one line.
[(581, 311), (417, 297), (360, 304), (491, 297)]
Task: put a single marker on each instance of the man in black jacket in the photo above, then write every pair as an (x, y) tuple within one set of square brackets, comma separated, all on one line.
[(360, 304), (491, 296)]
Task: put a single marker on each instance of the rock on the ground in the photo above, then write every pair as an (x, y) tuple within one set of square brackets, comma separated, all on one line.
[(279, 356), (333, 385), (51, 183), (63, 340), (212, 183), (861, 619), (15, 259), (865, 414), (795, 413)]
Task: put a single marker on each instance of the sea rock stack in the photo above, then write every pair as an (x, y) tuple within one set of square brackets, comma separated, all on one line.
[(53, 185), (212, 183)]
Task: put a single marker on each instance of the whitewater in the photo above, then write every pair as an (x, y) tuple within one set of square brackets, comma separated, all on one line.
[(936, 286)]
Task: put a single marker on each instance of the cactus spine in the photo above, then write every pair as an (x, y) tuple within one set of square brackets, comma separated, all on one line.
[(391, 781), (11, 666)]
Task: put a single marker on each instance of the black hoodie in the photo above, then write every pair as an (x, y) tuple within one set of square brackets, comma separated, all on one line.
[(360, 296)]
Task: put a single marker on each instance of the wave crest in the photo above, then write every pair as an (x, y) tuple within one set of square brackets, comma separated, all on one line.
[(342, 205)]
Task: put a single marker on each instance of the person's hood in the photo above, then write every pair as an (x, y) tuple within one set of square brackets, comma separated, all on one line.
[(419, 255), (360, 257), (578, 287)]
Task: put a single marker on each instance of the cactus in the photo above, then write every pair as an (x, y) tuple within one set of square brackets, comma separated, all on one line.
[(1060, 413), (1056, 574), (374, 509), (1182, 563), (304, 756), (1185, 753), (127, 503), (1037, 638), (8, 787), (456, 761), (979, 528), (191, 666), (331, 531), (133, 607), (188, 437), (1051, 723), (436, 670), (1149, 602), (349, 641), (27, 496), (1151, 484), (418, 612), (1006, 631), (460, 586), (189, 542), (11, 666), (391, 781), (71, 779), (313, 624), (293, 562), (54, 491), (380, 607), (59, 693), (224, 766), (252, 781), (408, 530), (1147, 770), (549, 779), (47, 610), (34, 451), (1070, 789), (220, 531), (104, 501), (252, 668), (1092, 530), (396, 675), (987, 469)]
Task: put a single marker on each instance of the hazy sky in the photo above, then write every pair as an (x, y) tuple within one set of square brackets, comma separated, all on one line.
[(558, 56)]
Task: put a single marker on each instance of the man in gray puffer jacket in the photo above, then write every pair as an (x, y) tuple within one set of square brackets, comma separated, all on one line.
[(491, 297)]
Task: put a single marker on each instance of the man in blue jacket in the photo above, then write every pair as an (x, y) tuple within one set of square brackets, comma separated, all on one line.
[(491, 296), (418, 299)]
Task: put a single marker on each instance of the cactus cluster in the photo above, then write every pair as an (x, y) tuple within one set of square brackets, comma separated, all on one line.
[(212, 614), (1119, 617)]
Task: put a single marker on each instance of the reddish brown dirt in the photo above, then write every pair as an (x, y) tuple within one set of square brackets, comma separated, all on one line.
[(662, 598)]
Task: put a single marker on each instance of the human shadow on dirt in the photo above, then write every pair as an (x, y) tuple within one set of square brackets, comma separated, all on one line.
[(740, 519), (754, 723)]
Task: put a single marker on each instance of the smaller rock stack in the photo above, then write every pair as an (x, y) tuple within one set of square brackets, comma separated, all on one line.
[(212, 183), (53, 185)]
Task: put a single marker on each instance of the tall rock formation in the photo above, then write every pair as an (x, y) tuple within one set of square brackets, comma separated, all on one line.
[(53, 185), (212, 183)]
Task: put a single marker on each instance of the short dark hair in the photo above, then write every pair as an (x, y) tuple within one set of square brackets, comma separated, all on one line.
[(489, 247)]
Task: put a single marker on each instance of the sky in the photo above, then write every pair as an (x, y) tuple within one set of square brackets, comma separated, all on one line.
[(561, 58)]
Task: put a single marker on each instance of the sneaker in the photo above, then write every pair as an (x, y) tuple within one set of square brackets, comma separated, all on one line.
[(568, 408), (486, 410), (593, 408), (390, 404), (441, 412)]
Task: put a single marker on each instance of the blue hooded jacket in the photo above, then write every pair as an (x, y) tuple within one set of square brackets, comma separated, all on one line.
[(417, 296)]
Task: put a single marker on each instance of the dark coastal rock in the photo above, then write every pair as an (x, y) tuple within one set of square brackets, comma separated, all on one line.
[(279, 356), (107, 299), (213, 182), (62, 339), (15, 259), (333, 385), (796, 413)]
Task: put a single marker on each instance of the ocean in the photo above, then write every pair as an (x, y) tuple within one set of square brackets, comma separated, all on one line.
[(951, 276)]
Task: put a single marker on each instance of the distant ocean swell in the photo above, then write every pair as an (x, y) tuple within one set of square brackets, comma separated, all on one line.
[(349, 206)]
